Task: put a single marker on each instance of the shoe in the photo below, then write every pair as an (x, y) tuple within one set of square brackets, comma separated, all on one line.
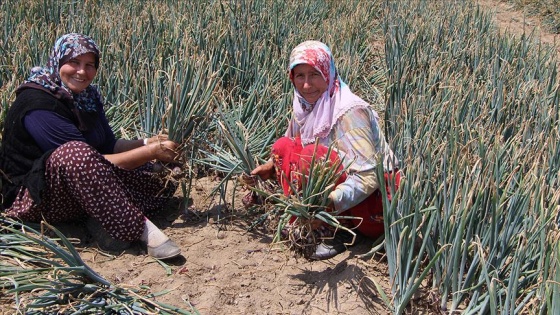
[(103, 239), (329, 248), (165, 251)]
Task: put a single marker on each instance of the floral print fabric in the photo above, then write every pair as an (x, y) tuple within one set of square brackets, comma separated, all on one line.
[(82, 183)]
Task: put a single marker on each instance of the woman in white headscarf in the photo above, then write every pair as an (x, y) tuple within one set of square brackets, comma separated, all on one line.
[(326, 110)]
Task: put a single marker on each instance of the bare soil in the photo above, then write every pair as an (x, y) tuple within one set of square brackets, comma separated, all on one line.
[(518, 22), (227, 267)]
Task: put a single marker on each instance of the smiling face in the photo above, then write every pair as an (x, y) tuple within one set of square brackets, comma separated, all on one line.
[(78, 73), (309, 82)]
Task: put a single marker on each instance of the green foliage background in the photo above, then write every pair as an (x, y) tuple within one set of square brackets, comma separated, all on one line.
[(472, 113)]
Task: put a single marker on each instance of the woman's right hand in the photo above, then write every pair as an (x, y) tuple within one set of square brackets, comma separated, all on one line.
[(264, 171), (165, 151)]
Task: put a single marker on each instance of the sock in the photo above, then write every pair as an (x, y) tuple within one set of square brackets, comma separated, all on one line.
[(152, 236)]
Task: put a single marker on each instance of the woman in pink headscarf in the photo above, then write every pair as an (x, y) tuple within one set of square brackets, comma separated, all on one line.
[(325, 110)]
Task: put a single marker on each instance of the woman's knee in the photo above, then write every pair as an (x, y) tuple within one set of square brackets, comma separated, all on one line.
[(73, 156)]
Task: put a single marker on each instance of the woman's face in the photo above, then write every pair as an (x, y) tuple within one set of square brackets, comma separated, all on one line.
[(78, 73), (309, 82)]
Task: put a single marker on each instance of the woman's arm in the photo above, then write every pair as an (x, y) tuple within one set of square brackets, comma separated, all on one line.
[(265, 171), (123, 145), (51, 130), (357, 138), (165, 151)]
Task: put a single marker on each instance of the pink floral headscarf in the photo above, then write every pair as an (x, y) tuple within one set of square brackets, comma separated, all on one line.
[(317, 120)]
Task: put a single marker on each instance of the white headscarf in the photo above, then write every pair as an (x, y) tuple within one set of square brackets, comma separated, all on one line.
[(317, 120)]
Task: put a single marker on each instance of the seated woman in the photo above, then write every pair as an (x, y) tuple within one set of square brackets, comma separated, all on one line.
[(61, 161), (325, 109)]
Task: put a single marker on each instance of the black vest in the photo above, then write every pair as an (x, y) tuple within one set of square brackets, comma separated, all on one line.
[(21, 159)]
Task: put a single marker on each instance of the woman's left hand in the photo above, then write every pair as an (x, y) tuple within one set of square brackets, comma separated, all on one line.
[(165, 151), (157, 139)]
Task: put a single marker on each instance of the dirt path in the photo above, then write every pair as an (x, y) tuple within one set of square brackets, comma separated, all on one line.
[(517, 22)]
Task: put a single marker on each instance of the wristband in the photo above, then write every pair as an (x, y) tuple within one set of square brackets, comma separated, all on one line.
[(145, 141)]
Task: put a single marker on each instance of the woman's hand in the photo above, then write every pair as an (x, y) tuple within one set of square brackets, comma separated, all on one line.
[(264, 171), (123, 145), (157, 139), (158, 148), (163, 150)]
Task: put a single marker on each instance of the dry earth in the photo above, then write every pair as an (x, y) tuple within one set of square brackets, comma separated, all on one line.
[(225, 269), (517, 22)]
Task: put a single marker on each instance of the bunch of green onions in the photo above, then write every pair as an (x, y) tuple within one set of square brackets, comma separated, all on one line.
[(47, 275), (308, 206)]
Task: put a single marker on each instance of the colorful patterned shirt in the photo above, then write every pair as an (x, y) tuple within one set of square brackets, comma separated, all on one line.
[(361, 144)]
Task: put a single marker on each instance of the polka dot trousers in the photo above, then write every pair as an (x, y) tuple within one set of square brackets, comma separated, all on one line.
[(81, 183)]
